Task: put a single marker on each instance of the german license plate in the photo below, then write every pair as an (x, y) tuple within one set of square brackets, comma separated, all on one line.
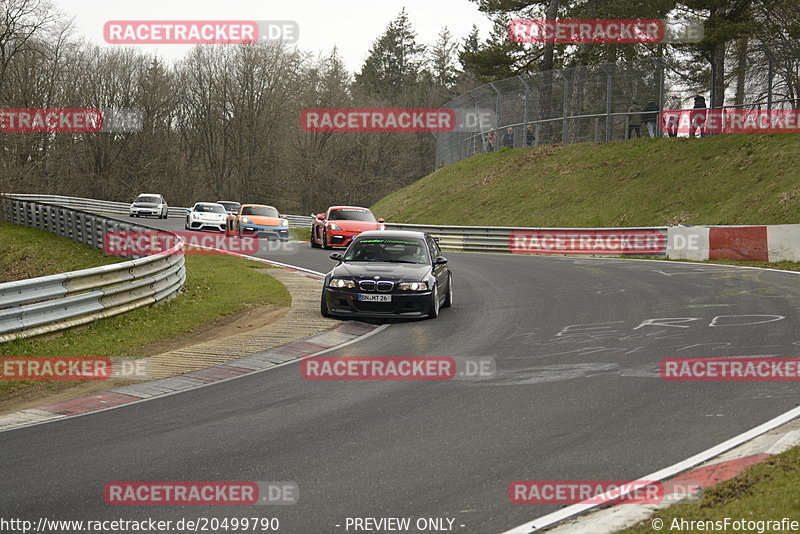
[(374, 298)]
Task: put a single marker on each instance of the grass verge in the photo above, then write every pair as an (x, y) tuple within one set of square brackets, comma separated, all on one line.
[(724, 179), (216, 286), (766, 491), (300, 234), (30, 252)]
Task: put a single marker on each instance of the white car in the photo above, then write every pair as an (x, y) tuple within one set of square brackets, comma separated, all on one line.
[(149, 205), (206, 215)]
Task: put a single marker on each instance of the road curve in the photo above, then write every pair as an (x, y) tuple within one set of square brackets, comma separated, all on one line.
[(576, 396)]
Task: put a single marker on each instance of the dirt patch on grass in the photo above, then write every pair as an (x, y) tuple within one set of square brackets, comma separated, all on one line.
[(242, 321), (47, 392)]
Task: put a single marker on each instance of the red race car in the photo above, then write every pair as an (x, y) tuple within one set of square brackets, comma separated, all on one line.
[(340, 224)]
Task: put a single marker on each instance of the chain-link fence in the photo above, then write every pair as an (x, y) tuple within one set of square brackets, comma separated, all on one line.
[(592, 103)]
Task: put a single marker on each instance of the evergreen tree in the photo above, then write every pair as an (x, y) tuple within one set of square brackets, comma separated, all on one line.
[(395, 62)]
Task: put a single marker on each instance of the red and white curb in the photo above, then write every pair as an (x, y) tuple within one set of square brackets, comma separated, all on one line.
[(706, 469), (344, 334)]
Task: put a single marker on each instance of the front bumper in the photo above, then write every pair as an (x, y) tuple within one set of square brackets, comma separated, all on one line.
[(340, 238), (152, 212), (403, 304), (270, 232), (207, 225)]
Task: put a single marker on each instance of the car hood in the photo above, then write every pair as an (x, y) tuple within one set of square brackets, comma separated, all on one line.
[(211, 215), (399, 272), (356, 226), (145, 205), (264, 221)]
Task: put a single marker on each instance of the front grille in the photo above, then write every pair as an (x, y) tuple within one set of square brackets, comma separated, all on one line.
[(385, 286), (367, 285), (370, 285)]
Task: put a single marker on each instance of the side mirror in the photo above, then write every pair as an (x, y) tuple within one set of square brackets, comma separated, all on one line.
[(440, 261), (336, 256), (381, 220), (435, 239), (320, 217)]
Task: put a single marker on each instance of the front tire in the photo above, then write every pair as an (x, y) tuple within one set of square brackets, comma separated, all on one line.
[(325, 240), (448, 300), (434, 306), (313, 240), (323, 307)]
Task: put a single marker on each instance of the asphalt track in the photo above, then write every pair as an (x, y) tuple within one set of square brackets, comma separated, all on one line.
[(576, 396)]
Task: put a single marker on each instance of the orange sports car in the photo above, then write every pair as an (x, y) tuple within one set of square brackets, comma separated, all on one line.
[(340, 224), (260, 220)]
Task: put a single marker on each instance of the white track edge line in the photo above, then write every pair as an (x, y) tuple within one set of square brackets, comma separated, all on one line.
[(555, 517)]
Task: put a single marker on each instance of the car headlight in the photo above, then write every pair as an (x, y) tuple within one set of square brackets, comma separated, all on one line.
[(336, 227), (246, 220), (341, 283), (195, 215), (413, 286), (285, 223)]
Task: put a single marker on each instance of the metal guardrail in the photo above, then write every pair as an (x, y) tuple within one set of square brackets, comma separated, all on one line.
[(489, 238), (50, 303), (121, 208)]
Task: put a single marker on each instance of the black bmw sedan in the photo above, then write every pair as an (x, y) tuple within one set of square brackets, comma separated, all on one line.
[(388, 274)]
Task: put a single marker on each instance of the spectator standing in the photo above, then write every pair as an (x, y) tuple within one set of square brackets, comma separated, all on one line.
[(698, 117), (650, 116), (672, 119), (635, 119), (529, 137), (508, 138), (490, 141)]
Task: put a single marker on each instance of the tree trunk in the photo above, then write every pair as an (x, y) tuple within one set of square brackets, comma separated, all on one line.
[(741, 68)]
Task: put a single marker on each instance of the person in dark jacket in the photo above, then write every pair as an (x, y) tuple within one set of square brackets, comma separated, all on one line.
[(698, 117), (508, 138), (650, 116), (529, 137)]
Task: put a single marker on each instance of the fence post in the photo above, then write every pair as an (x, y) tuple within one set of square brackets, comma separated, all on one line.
[(497, 115), (660, 95), (525, 111), (609, 92), (564, 108)]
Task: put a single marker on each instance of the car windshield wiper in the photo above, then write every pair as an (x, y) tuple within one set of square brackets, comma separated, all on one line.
[(402, 261)]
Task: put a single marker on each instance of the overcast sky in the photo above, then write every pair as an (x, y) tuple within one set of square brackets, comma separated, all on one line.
[(351, 25)]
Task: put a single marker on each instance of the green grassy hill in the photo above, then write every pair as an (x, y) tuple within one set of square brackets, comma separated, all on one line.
[(725, 179)]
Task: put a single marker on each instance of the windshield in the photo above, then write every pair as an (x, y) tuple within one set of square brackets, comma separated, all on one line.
[(388, 250), (346, 214), (147, 199), (209, 208), (231, 206), (260, 211)]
